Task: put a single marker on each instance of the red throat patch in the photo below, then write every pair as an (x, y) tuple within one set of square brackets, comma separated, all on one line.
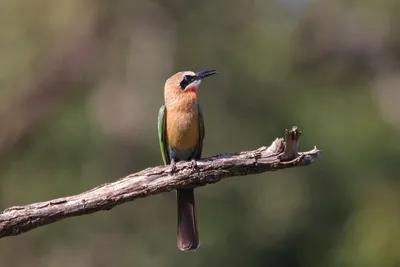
[(192, 89)]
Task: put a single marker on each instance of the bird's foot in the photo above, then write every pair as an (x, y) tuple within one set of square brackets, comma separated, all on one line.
[(193, 164), (173, 167)]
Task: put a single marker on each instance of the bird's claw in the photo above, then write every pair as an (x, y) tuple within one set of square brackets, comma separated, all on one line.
[(193, 164), (172, 170)]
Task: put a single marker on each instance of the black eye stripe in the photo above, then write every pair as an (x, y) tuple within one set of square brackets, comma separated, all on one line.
[(187, 79)]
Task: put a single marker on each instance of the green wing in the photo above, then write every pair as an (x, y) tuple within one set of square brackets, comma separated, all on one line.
[(202, 131), (161, 134)]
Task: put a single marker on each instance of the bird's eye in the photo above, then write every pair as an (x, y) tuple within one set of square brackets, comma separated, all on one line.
[(187, 79)]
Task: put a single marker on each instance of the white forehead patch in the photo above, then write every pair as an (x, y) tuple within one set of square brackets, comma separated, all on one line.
[(191, 73)]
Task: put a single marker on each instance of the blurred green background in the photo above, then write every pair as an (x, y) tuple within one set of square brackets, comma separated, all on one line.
[(81, 84)]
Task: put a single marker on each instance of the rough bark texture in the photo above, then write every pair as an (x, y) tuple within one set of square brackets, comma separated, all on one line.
[(281, 154)]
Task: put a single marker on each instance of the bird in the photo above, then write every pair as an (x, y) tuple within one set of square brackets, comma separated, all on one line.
[(181, 134)]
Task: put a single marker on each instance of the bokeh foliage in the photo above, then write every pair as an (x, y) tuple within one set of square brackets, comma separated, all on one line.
[(331, 67)]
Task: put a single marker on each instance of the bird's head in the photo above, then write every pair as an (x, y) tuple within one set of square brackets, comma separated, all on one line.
[(185, 83)]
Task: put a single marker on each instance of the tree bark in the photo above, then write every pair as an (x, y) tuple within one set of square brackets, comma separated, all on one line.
[(281, 154)]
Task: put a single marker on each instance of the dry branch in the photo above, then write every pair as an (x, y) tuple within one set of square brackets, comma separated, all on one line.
[(281, 154)]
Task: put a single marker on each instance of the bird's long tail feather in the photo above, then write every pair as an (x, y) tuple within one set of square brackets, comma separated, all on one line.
[(188, 237)]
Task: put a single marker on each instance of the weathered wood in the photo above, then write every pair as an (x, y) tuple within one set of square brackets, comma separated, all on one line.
[(281, 154)]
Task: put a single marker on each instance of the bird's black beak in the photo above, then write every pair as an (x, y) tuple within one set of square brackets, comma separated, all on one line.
[(205, 73)]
